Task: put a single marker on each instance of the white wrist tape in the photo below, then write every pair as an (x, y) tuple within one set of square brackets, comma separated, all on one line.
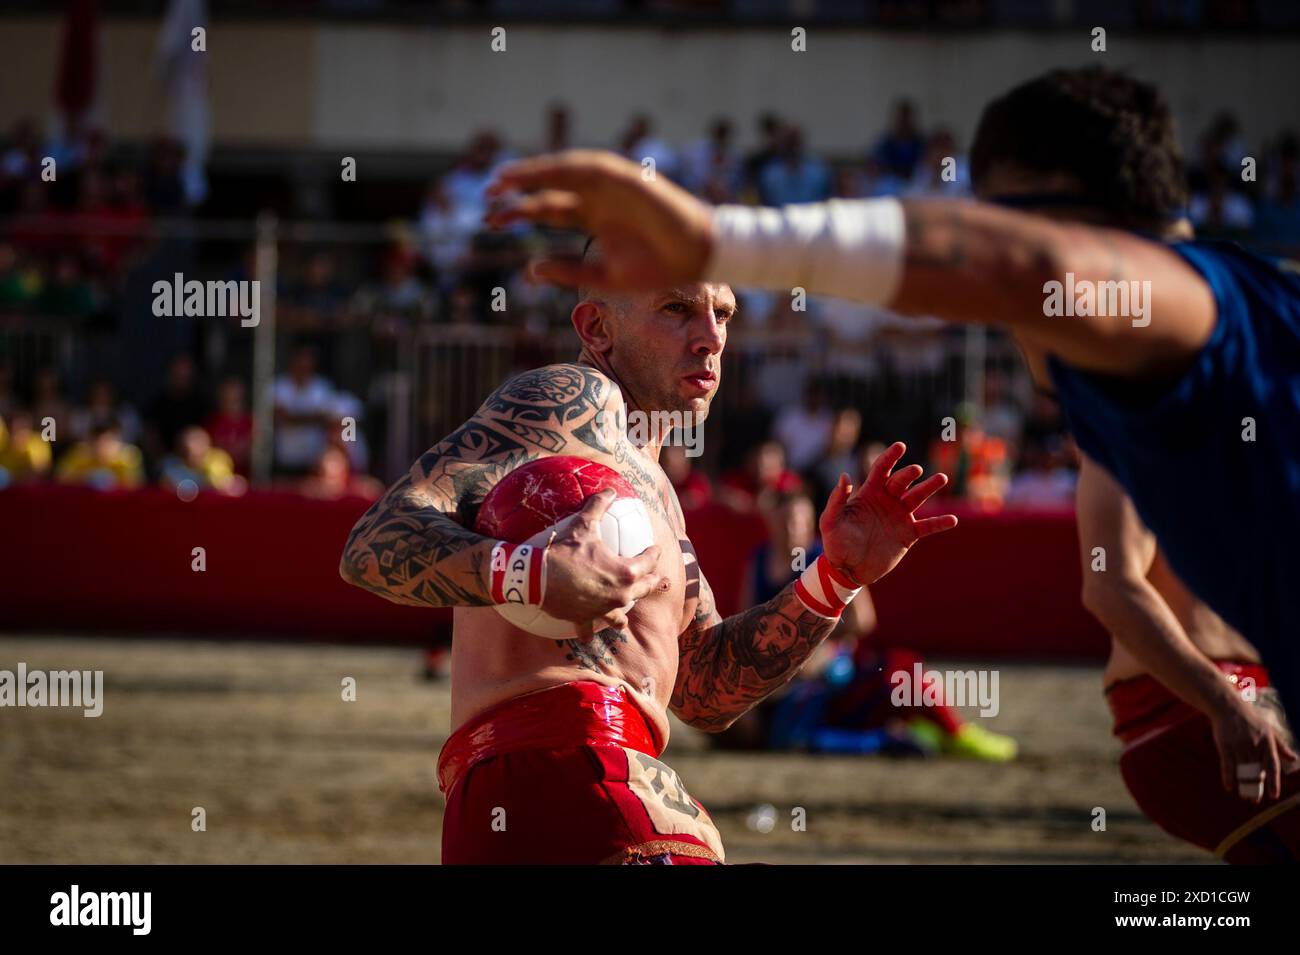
[(847, 248), (517, 574), (824, 590)]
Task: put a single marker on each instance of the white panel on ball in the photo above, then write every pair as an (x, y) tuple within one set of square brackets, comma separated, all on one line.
[(626, 530)]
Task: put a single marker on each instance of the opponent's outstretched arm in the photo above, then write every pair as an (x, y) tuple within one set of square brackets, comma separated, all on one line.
[(962, 261), (415, 545), (728, 665)]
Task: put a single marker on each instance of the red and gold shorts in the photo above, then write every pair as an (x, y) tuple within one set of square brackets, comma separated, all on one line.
[(567, 775), (1170, 766)]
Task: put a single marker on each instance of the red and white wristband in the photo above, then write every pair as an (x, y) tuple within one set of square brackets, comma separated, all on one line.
[(824, 590), (517, 574)]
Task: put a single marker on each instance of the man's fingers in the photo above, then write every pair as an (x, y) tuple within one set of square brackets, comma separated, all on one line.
[(568, 271), (643, 564), (918, 495), (898, 481), (1272, 769), (835, 503), (935, 525), (570, 170), (552, 207), (885, 463), (594, 508), (615, 620)]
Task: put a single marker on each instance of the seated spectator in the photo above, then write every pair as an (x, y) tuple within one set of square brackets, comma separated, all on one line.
[(793, 175), (22, 160), (873, 180), (8, 401), (638, 143), (762, 474), (48, 400), (318, 292), (805, 429), (24, 456), (710, 167), (840, 456), (304, 415), (899, 149), (333, 478), (178, 406), (103, 461), (231, 425), (19, 285), (692, 487), (842, 699), (198, 462), (1278, 221), (445, 238), (1047, 477), (977, 464), (102, 405), (68, 293), (941, 172), (1220, 209), (351, 437), (399, 290)]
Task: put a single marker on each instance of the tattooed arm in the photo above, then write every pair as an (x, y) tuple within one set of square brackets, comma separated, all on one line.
[(416, 544), (726, 666)]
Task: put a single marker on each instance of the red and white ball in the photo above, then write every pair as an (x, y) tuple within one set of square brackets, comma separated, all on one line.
[(524, 506)]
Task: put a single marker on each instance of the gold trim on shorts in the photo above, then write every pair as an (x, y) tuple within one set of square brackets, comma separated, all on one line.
[(660, 846), (1246, 828)]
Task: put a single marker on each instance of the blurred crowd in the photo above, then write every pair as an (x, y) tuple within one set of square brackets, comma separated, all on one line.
[(189, 437), (69, 249)]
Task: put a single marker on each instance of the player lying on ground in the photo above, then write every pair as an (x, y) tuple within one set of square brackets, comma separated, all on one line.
[(553, 755), (1178, 366)]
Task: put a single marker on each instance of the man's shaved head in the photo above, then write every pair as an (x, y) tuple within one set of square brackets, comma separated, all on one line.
[(654, 343)]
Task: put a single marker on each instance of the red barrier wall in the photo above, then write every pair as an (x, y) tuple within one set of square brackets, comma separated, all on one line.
[(76, 559)]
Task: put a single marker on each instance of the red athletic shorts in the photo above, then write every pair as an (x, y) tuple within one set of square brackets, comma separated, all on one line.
[(567, 775), (1171, 767)]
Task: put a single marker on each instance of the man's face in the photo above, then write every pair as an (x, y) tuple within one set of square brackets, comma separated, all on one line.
[(665, 346)]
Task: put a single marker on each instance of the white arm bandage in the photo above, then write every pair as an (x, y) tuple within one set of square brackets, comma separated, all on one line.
[(847, 248)]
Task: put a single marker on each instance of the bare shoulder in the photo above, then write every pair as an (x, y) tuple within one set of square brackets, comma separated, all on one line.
[(550, 406)]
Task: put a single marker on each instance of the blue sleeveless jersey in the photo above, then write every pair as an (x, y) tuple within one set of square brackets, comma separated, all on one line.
[(1225, 509)]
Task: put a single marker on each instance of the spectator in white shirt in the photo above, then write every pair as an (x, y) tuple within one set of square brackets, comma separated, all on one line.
[(304, 411), (805, 429)]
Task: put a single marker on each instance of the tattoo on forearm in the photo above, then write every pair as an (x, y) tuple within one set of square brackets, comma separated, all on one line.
[(728, 667)]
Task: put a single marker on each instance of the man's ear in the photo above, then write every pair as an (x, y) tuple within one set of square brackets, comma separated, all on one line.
[(591, 322)]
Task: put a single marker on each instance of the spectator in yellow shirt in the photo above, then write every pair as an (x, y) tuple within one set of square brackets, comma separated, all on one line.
[(24, 455), (103, 461), (197, 461)]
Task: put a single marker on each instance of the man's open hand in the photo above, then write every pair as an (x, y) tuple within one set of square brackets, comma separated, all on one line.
[(652, 233), (866, 532)]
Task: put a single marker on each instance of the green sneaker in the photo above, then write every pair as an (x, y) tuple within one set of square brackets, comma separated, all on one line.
[(974, 742)]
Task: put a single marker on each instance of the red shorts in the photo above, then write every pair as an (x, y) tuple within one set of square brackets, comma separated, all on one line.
[(567, 775), (1171, 768)]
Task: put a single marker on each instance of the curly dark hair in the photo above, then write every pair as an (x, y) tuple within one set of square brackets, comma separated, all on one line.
[(1112, 133)]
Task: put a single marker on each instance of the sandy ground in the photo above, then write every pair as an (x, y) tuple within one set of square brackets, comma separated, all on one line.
[(287, 772)]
